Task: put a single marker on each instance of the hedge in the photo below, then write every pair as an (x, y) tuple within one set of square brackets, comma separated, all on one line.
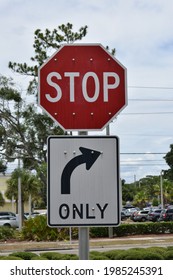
[(151, 253), (36, 229), (143, 228)]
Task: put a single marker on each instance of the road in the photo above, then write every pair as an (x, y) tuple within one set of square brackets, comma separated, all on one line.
[(101, 245)]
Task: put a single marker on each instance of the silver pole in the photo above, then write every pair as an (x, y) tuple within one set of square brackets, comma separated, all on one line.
[(83, 232), (161, 189), (110, 229), (30, 205), (19, 196), (84, 243)]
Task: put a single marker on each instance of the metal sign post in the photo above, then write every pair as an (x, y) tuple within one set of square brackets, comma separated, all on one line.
[(84, 243), (83, 232)]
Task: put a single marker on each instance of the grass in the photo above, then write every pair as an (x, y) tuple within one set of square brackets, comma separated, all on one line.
[(163, 240)]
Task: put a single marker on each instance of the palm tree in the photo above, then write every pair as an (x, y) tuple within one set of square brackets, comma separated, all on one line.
[(30, 185)]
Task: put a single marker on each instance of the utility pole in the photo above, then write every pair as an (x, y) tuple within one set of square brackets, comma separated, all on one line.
[(19, 194)]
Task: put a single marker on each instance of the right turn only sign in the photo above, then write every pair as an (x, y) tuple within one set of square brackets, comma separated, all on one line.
[(83, 181)]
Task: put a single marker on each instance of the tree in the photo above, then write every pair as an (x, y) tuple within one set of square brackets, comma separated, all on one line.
[(25, 129), (45, 44), (3, 167), (22, 127), (169, 160), (2, 200), (128, 192), (30, 184)]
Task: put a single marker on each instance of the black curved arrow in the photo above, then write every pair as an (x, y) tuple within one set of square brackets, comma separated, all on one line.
[(88, 156)]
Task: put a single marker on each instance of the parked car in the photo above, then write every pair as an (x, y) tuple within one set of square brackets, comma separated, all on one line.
[(33, 214), (140, 216), (166, 215), (133, 214), (123, 216), (8, 221), (130, 211), (7, 213), (154, 215)]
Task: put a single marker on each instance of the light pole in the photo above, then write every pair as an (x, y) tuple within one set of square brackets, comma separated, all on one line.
[(161, 188), (19, 194)]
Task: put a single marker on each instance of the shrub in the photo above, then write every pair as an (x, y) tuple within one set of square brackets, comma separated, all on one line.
[(52, 255), (9, 258), (69, 257), (168, 255), (95, 255), (152, 256), (6, 233), (143, 228), (141, 254), (113, 254), (38, 258), (98, 232), (130, 255), (23, 255), (157, 250), (37, 229)]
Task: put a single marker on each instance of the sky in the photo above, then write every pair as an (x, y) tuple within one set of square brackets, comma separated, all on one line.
[(141, 31)]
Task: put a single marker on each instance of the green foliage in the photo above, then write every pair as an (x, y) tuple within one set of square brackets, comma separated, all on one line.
[(169, 160), (113, 254), (2, 200), (23, 255), (95, 255), (38, 258), (131, 255), (29, 184), (6, 233), (168, 254), (58, 256), (45, 44), (140, 254), (98, 232), (3, 166), (151, 253), (9, 258), (143, 228), (36, 229)]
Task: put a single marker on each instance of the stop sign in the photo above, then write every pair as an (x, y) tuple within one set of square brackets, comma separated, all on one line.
[(82, 87)]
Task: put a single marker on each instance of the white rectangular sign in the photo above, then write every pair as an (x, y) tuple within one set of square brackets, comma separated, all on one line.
[(83, 181)]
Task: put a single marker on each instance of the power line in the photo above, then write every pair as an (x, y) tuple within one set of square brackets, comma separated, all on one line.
[(150, 100), (144, 153), (147, 113), (150, 87)]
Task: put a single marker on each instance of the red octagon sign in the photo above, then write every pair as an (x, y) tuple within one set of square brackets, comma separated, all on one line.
[(82, 87)]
